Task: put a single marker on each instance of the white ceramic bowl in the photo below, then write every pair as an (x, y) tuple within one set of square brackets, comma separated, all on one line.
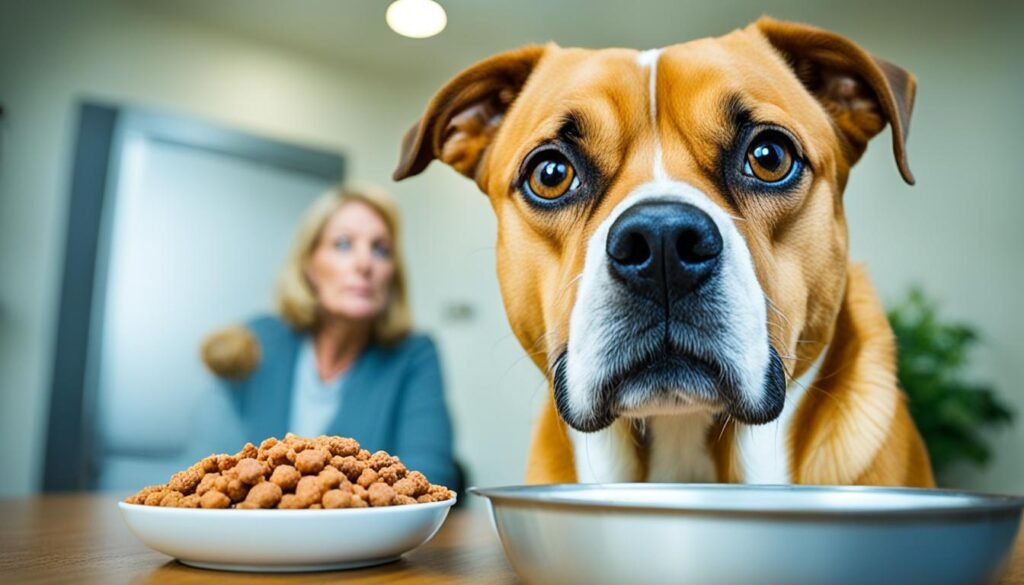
[(285, 540), (744, 535)]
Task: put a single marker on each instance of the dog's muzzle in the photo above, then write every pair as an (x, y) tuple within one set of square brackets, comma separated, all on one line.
[(669, 318)]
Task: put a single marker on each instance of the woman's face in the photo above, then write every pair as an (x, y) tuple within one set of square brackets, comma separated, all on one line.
[(351, 268)]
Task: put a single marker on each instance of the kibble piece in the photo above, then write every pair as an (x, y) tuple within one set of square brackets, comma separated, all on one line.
[(266, 494), (286, 477), (186, 481), (226, 462), (352, 468), (236, 490), (422, 485), (405, 487), (281, 454), (331, 477), (154, 497), (265, 446), (140, 498), (440, 492), (363, 455), (437, 493), (380, 460), (249, 471), (360, 492), (291, 502), (336, 499), (312, 461), (392, 473), (381, 494), (171, 499), (357, 502), (367, 478), (309, 489), (214, 499), (208, 483), (299, 444), (221, 484), (403, 500), (207, 464), (249, 450), (191, 501), (341, 446)]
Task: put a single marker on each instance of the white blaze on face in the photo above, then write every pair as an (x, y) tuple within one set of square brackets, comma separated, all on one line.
[(594, 346), (649, 59)]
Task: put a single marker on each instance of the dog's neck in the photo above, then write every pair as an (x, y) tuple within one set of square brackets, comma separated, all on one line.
[(678, 449)]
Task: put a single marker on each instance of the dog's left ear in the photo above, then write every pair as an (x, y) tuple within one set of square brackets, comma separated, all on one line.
[(860, 92), (461, 119)]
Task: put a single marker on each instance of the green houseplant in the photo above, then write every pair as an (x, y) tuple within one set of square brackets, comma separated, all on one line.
[(950, 411)]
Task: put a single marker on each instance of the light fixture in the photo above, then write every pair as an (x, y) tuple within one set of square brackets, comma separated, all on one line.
[(417, 19)]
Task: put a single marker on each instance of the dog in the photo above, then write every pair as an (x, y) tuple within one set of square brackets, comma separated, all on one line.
[(673, 254)]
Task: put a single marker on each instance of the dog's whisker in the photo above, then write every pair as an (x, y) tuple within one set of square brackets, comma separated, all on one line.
[(725, 425), (568, 285), (775, 307)]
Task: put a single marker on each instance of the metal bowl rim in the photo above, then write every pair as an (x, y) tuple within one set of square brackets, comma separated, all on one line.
[(554, 495)]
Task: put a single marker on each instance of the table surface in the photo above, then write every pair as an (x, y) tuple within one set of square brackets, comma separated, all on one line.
[(81, 538)]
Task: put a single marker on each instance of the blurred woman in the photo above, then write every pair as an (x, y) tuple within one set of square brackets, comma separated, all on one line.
[(339, 358)]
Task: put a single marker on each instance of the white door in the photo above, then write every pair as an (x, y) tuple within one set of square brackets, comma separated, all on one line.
[(196, 238)]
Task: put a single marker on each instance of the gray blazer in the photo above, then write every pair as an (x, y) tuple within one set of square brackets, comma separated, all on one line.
[(393, 399)]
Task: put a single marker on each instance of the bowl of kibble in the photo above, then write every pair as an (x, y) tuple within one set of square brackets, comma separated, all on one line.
[(298, 504)]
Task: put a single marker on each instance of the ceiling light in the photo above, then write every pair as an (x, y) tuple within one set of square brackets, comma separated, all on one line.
[(417, 19)]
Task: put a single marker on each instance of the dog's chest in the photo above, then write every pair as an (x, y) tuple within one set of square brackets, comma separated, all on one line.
[(763, 451), (677, 449)]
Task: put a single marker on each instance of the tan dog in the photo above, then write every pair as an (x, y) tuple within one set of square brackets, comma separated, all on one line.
[(672, 252)]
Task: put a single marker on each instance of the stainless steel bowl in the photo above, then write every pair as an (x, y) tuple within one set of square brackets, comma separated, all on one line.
[(752, 535)]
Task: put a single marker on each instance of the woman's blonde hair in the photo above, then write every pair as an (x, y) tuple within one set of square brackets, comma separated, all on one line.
[(296, 299)]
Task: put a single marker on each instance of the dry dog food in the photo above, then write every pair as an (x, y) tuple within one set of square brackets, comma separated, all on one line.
[(297, 472)]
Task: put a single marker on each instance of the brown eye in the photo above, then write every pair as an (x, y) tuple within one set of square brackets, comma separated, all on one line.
[(769, 157), (552, 176)]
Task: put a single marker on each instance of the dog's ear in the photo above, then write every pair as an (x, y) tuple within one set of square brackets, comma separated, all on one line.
[(860, 92), (461, 119)]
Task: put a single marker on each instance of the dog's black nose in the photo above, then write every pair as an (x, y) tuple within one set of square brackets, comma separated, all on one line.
[(664, 247)]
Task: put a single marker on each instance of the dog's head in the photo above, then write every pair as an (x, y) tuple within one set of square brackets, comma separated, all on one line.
[(671, 230)]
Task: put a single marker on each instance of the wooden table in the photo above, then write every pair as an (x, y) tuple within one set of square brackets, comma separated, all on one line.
[(81, 539)]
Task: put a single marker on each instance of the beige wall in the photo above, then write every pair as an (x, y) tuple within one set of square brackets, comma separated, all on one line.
[(955, 233)]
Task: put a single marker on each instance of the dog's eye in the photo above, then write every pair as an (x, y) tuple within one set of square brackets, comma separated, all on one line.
[(551, 176), (770, 157)]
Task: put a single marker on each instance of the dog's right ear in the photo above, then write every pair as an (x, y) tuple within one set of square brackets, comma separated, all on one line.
[(859, 91), (461, 119)]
